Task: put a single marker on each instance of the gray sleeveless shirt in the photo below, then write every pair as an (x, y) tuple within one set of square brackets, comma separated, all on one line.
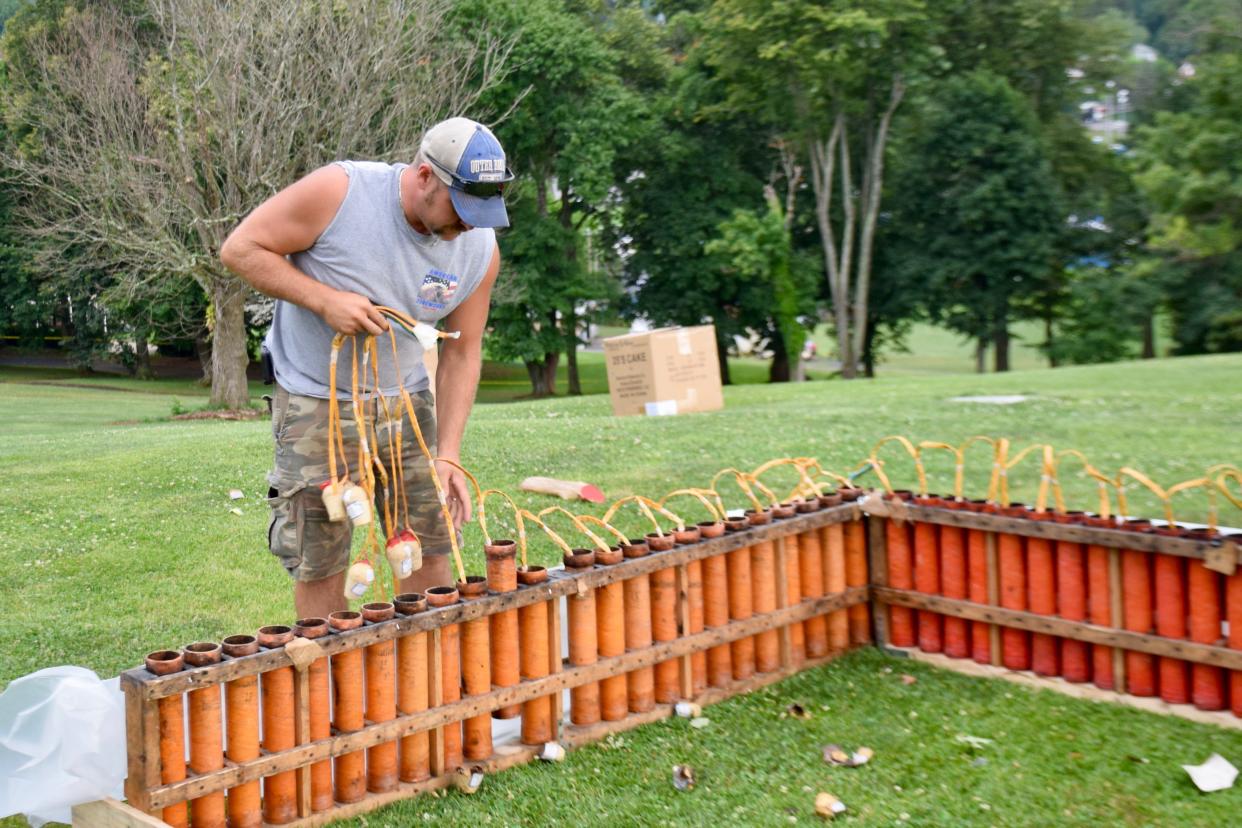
[(370, 248)]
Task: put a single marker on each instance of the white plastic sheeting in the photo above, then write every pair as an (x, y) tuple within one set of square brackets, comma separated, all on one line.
[(62, 742)]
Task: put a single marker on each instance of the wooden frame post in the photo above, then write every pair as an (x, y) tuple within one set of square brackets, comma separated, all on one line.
[(877, 562)]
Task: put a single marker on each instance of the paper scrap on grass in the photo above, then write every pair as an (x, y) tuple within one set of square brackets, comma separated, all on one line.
[(1216, 774), (993, 399), (973, 741), (235, 494)]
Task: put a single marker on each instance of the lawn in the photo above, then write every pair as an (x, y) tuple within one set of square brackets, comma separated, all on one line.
[(118, 538)]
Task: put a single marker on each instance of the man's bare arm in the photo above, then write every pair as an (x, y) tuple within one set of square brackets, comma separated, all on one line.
[(457, 380), (289, 222)]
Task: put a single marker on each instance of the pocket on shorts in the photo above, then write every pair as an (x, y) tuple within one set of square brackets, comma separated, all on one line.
[(300, 535), (280, 412)]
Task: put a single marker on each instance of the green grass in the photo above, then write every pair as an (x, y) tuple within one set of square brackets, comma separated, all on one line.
[(118, 539)]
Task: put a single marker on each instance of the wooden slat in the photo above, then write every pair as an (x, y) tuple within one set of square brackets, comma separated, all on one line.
[(785, 635), (1074, 533), (441, 714), (555, 663), (559, 584), (435, 698), (686, 672), (993, 564), (301, 736), (142, 745), (877, 563), (1077, 630), (1117, 616), (109, 813)]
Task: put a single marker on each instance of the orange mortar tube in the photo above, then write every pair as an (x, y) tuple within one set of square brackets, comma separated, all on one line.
[(927, 579), (320, 712), (856, 575), (276, 699), (413, 692), (741, 607), (900, 576), (381, 706), (1170, 597), (1207, 682), (954, 585), (1136, 592), (241, 706), (763, 600), (640, 683), (1099, 612), (502, 577), (581, 615), (811, 582), (610, 631), (1072, 605), (172, 733), (533, 632), (349, 770), (1015, 644), (1233, 608), (664, 628), (450, 673), (716, 614), (977, 582), (206, 737), (836, 579), (1042, 599), (476, 672), (793, 596)]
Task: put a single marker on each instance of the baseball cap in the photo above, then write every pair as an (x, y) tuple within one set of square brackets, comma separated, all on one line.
[(470, 161)]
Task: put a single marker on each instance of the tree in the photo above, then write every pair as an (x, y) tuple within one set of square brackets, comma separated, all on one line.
[(146, 130), (979, 208), (570, 115), (1190, 170), (829, 76)]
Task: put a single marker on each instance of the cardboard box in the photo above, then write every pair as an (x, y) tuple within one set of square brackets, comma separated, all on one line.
[(665, 371)]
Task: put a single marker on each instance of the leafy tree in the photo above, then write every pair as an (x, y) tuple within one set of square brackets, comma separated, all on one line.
[(1191, 172), (828, 77), (144, 131), (979, 213), (570, 115)]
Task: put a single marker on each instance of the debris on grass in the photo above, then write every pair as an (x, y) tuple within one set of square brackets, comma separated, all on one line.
[(552, 752), (236, 511), (837, 755), (688, 710), (236, 494), (468, 780), (908, 679), (797, 711), (683, 777), (977, 742), (827, 805), (700, 722), (1216, 774)]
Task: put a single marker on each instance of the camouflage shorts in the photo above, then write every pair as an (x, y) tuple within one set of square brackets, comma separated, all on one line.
[(309, 545)]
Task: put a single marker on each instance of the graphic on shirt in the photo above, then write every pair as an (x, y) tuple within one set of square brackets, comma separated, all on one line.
[(437, 289)]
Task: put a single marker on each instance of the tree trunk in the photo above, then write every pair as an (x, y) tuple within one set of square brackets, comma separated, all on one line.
[(868, 354), (538, 378), (981, 354), (1001, 341), (550, 361), (722, 355), (202, 349), (1049, 350), (778, 371), (571, 356), (228, 344), (1149, 337), (142, 357)]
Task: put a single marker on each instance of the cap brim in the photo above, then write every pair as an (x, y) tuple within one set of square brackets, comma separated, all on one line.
[(480, 212)]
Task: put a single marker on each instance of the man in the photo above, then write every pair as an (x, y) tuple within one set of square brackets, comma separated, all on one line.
[(330, 248)]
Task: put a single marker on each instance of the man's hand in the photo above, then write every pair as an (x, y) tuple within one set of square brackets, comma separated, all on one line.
[(457, 491), (351, 313)]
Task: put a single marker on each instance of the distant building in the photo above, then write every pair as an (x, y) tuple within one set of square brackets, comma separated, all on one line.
[(1143, 53)]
